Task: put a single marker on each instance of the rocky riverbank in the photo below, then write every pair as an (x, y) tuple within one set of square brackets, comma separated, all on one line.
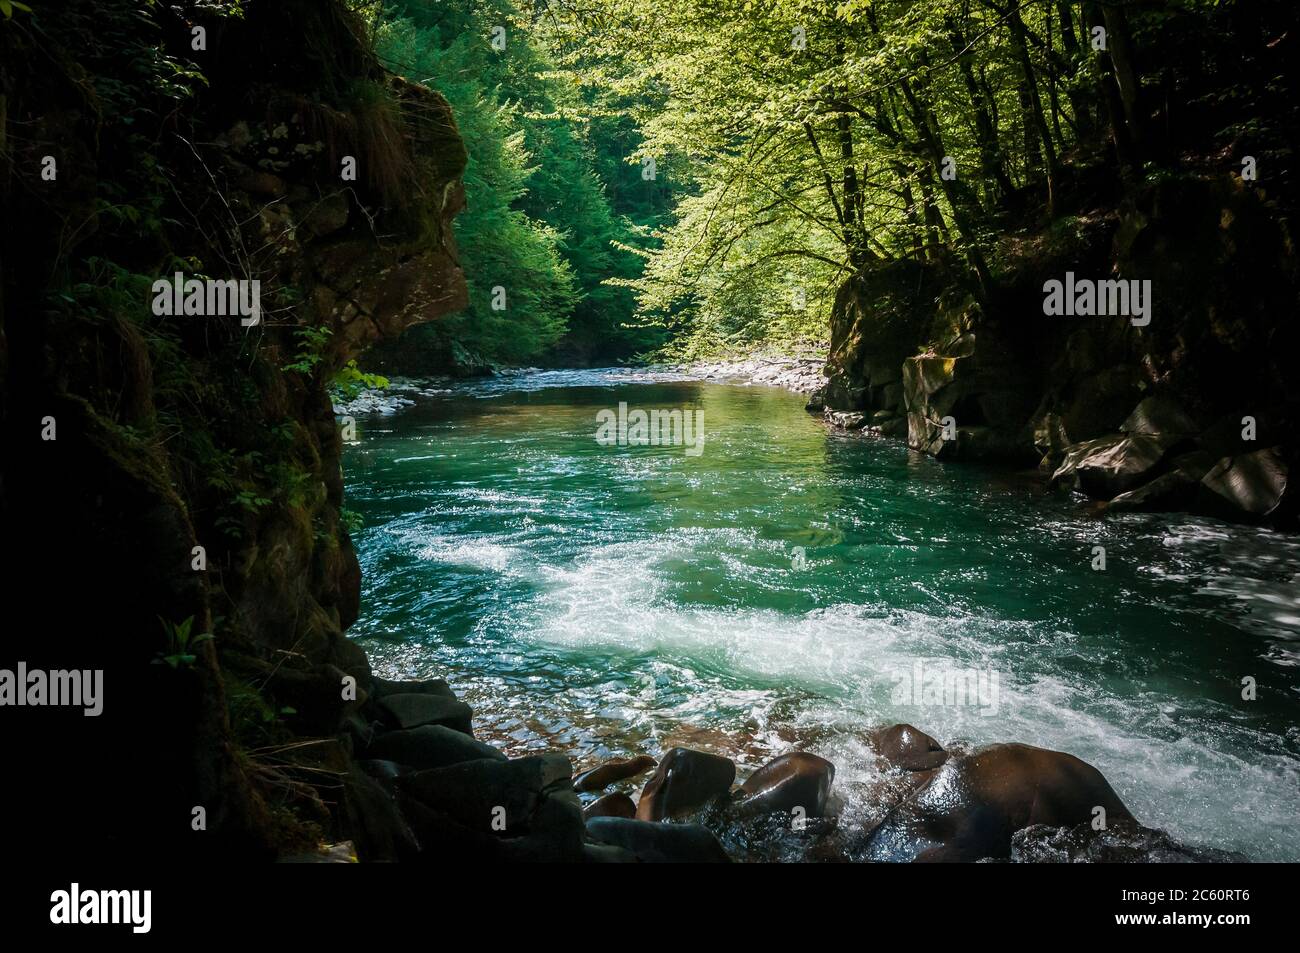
[(417, 786), (1194, 410), (800, 373)]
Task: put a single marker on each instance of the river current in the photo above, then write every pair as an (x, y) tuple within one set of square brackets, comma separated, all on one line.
[(789, 586)]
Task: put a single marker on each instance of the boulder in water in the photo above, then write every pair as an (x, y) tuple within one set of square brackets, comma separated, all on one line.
[(657, 843), (614, 804), (793, 781), (1250, 484), (414, 710), (599, 778), (685, 779)]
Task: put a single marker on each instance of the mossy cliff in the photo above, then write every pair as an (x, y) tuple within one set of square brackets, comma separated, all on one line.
[(1194, 411), (210, 139), (1190, 405)]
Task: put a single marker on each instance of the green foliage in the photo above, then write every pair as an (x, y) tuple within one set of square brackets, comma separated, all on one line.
[(540, 223), (181, 643), (350, 380), (312, 341)]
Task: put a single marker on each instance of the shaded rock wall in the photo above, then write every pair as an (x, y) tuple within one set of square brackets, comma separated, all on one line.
[(911, 353), (172, 433)]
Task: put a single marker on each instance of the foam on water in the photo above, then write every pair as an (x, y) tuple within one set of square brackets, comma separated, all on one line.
[(606, 603)]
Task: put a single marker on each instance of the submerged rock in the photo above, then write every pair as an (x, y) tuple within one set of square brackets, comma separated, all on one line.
[(1119, 844)]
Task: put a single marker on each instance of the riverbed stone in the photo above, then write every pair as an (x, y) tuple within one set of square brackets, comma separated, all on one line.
[(430, 746), (685, 779), (613, 771), (614, 804), (795, 781), (653, 843), (410, 710), (1248, 485), (379, 687)]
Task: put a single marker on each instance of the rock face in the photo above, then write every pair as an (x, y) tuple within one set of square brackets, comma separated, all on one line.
[(196, 462), (1105, 408)]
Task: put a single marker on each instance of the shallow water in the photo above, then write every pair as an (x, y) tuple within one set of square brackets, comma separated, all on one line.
[(778, 590)]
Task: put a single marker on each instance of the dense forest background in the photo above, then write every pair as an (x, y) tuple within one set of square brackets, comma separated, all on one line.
[(707, 175)]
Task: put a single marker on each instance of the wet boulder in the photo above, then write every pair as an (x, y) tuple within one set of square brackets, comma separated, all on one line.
[(685, 779), (430, 746), (1170, 492), (1248, 485), (611, 771), (1109, 466), (651, 843), (413, 710), (615, 804), (847, 419), (906, 748), (795, 781)]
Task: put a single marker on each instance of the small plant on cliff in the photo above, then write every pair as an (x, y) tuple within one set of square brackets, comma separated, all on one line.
[(180, 643), (311, 351)]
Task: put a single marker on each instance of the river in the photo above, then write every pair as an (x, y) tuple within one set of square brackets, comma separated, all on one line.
[(778, 589)]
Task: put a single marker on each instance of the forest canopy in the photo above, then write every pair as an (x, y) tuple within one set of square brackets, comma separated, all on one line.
[(703, 176)]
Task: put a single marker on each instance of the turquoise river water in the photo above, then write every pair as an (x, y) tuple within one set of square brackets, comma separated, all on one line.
[(778, 589)]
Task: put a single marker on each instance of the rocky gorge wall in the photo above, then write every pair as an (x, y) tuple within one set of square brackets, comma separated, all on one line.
[(1195, 410), (171, 491)]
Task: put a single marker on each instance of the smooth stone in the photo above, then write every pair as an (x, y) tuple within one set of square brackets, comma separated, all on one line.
[(431, 746), (795, 781), (685, 779), (379, 687), (411, 710), (1250, 483), (907, 748), (606, 774), (614, 804), (652, 843)]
